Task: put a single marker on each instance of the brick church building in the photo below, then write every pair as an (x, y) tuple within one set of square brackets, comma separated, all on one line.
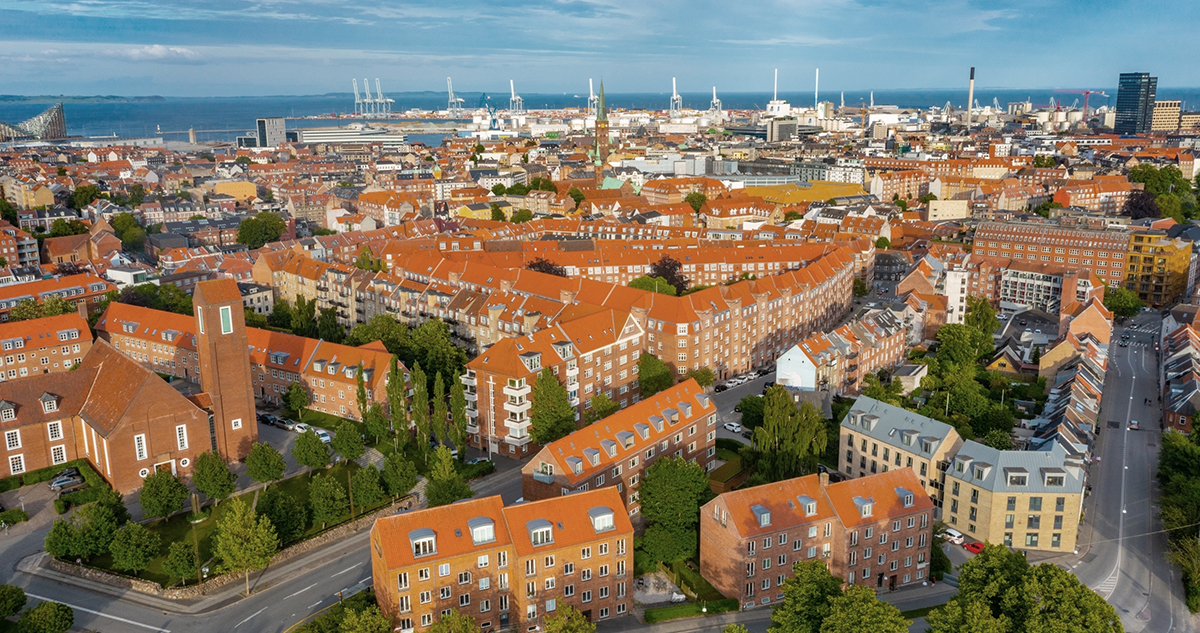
[(124, 419)]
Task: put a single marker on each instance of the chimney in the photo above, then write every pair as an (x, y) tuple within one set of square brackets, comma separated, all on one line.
[(824, 477)]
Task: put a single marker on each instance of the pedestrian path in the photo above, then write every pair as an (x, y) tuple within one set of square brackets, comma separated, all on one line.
[(371, 457)]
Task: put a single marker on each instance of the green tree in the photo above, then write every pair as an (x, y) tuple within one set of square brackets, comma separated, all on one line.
[(458, 418), (1044, 208), (439, 408), (397, 402), (671, 494), (751, 408), (12, 600), (653, 375), (399, 475), (498, 213), (348, 442), (695, 200), (212, 476), (964, 615), (670, 269), (653, 284), (883, 243), (790, 438), (860, 288), (436, 352), (890, 393), (47, 617), (601, 407), (858, 610), (244, 541), (260, 229), (133, 547), (162, 494), (265, 464), (455, 622), (999, 439), (62, 541), (806, 599), (310, 451), (569, 620), (792, 216), (63, 228), (297, 398), (393, 334), (703, 377), (281, 315), (420, 411), (551, 415), (1122, 302), (522, 215), (304, 318), (8, 213), (327, 499), (254, 319), (957, 344), (83, 196), (367, 487), (288, 516), (576, 195), (180, 561), (1055, 600), (328, 328), (995, 577), (375, 421), (445, 484), (735, 628), (368, 620)]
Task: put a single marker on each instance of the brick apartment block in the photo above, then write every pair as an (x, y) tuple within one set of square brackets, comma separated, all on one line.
[(506, 567), (43, 346), (616, 451), (874, 531)]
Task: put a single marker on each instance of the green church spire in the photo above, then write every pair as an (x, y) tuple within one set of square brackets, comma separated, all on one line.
[(601, 109)]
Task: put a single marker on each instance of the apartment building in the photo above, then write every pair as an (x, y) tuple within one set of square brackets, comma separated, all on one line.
[(839, 360), (1158, 266), (908, 184), (1046, 287), (616, 451), (83, 290), (166, 343), (1165, 116), (1103, 194), (507, 567), (1027, 500), (875, 531), (43, 346), (878, 437), (1101, 252)]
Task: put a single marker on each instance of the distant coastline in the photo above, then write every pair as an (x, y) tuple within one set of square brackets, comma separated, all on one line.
[(77, 99)]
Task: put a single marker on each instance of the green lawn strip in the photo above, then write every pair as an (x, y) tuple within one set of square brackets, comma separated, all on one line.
[(690, 609), (726, 455), (703, 589), (177, 527), (919, 613)]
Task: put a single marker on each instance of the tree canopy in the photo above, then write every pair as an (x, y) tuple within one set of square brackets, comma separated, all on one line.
[(445, 485), (790, 439), (695, 200), (671, 270), (806, 597), (163, 494), (260, 229), (671, 494), (653, 375), (244, 541), (653, 284), (1122, 302), (551, 415), (543, 265)]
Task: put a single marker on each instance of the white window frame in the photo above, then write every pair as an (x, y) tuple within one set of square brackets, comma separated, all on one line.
[(58, 454), (54, 430), (236, 423), (226, 313), (12, 439), (181, 438), (141, 451), (16, 464)]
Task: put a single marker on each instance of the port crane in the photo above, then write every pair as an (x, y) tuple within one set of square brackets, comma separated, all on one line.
[(516, 105), (676, 106), (1086, 94), (455, 104)]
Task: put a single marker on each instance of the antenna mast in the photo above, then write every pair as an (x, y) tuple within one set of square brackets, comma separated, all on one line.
[(676, 102)]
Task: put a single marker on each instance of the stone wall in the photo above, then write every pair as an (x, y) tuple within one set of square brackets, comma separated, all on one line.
[(208, 586)]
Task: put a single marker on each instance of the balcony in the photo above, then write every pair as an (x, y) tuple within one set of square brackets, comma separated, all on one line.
[(517, 392), (516, 407), (472, 413), (545, 478), (472, 427), (468, 379), (517, 440), (572, 371), (471, 396)]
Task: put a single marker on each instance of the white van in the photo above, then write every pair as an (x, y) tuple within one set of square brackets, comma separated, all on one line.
[(954, 536)]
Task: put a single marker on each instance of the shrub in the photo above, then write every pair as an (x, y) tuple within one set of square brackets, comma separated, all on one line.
[(10, 483), (729, 444), (475, 471), (16, 515), (47, 617), (78, 498), (12, 600)]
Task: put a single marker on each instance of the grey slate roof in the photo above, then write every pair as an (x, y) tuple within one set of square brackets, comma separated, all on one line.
[(974, 459), (889, 424)]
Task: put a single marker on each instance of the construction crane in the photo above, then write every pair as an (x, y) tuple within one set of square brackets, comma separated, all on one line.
[(1086, 94), (676, 102), (455, 104), (358, 105), (516, 105), (593, 101)]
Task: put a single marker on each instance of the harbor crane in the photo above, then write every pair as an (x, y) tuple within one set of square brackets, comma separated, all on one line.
[(516, 105), (454, 105), (593, 101), (1086, 94), (385, 105), (358, 104), (368, 102), (676, 107)]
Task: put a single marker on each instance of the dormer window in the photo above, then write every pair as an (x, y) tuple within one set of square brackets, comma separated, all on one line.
[(906, 497), (762, 516), (540, 532), (8, 412), (483, 530), (1017, 480), (602, 519), (423, 541), (866, 510), (808, 505), (50, 405)]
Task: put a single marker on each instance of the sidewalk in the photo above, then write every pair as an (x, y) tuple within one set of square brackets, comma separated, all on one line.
[(223, 596)]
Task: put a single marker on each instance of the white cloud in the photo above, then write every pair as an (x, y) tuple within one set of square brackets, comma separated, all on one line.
[(156, 52)]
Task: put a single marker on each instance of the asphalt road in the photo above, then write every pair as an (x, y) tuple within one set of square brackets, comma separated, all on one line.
[(1125, 562)]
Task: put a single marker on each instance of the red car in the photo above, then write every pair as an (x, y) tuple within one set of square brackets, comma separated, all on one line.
[(974, 548)]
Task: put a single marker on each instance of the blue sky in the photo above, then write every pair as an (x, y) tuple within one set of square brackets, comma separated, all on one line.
[(257, 47)]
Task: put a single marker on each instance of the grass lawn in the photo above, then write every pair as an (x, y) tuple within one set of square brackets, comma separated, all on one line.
[(690, 609), (698, 584), (177, 528), (726, 454), (919, 613)]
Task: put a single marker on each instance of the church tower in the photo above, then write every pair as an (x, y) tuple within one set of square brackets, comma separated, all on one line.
[(602, 148), (223, 350)]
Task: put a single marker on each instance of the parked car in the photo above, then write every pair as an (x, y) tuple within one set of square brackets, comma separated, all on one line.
[(719, 388), (477, 460), (973, 547), (748, 434), (1134, 426), (301, 427), (60, 483), (68, 472), (954, 536), (323, 435), (733, 426)]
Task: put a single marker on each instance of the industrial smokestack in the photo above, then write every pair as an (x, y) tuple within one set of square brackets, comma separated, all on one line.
[(970, 97), (817, 89)]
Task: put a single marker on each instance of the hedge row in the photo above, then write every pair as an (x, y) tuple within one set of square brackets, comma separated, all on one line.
[(14, 516), (46, 474)]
